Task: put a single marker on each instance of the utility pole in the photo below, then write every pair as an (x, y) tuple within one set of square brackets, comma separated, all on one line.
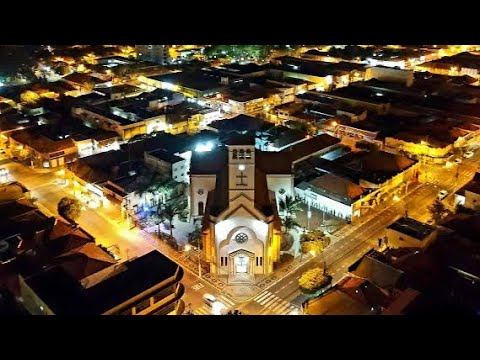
[(199, 265)]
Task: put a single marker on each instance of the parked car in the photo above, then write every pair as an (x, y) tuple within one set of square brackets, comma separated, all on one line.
[(442, 194), (468, 154)]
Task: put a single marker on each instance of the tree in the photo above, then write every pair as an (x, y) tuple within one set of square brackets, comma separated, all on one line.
[(159, 187), (290, 224), (289, 206), (167, 212), (194, 237), (315, 241), (437, 209), (69, 208), (314, 280), (29, 97)]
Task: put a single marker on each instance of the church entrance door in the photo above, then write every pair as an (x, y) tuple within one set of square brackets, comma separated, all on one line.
[(241, 264)]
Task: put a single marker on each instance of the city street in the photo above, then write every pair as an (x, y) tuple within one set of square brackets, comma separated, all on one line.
[(282, 297), (105, 225)]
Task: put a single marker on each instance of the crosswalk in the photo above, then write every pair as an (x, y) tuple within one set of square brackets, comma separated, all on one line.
[(207, 310), (274, 304)]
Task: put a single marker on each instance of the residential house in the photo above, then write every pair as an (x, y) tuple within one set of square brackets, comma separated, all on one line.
[(42, 149), (469, 195), (408, 232)]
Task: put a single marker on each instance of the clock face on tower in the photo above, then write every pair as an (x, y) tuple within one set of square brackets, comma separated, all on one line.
[(241, 238)]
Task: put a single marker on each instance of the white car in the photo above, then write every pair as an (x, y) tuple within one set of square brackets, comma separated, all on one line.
[(442, 194), (209, 299), (468, 154), (218, 308), (457, 161)]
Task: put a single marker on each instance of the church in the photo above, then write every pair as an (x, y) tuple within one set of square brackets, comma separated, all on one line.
[(235, 190)]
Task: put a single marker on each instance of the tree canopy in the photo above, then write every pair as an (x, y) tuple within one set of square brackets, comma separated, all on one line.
[(314, 241), (313, 280), (69, 208)]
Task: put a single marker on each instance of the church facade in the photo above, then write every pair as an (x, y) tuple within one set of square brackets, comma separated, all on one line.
[(235, 190), (235, 194)]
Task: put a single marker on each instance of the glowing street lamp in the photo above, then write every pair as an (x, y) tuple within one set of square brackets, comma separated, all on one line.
[(396, 198), (189, 247)]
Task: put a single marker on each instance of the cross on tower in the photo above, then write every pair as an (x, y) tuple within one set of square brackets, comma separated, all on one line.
[(241, 177)]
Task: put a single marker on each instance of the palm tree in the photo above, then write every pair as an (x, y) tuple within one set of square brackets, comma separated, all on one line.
[(164, 188), (157, 187), (290, 224), (289, 206), (167, 212)]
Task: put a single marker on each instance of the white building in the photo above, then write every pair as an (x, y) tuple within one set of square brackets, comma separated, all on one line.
[(236, 190), (168, 164)]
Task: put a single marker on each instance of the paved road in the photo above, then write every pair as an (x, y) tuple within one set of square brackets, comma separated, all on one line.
[(284, 296), (47, 188), (359, 239)]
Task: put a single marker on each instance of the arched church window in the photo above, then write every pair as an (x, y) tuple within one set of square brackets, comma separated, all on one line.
[(200, 208), (235, 154), (248, 154), (241, 238), (241, 154)]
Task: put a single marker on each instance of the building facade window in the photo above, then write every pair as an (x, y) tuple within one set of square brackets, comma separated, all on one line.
[(261, 261), (241, 238), (235, 154), (248, 154), (200, 208), (241, 154)]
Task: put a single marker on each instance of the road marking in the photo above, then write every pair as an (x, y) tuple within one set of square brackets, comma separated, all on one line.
[(203, 310), (274, 304), (262, 295), (226, 301), (267, 299), (198, 286)]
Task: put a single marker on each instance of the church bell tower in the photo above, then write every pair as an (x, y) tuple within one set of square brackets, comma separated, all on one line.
[(241, 171)]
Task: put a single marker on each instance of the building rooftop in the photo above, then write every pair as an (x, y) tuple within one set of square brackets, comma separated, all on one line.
[(119, 89), (375, 166), (336, 302), (66, 296), (239, 123), (412, 227), (376, 271), (35, 139), (82, 78), (197, 80), (239, 69), (166, 156), (334, 187)]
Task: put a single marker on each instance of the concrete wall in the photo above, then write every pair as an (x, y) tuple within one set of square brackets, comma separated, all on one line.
[(393, 75)]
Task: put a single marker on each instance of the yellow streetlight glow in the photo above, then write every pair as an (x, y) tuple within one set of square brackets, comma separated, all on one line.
[(396, 198), (188, 247), (334, 123)]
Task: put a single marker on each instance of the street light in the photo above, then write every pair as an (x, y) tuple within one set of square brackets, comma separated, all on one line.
[(309, 216), (189, 247)]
